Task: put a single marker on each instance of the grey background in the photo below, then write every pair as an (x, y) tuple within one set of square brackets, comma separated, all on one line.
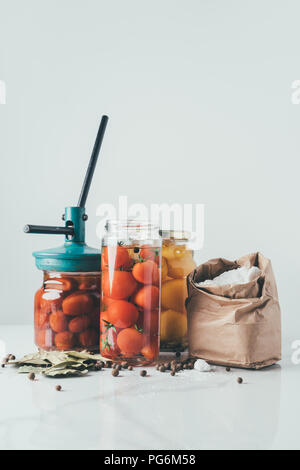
[(199, 95)]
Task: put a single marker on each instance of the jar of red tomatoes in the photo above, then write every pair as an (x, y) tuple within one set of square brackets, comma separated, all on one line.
[(66, 311), (67, 305), (130, 292)]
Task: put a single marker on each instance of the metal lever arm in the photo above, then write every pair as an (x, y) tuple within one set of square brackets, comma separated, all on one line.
[(49, 230)]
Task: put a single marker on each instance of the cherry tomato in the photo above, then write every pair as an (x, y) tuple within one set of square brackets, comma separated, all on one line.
[(115, 257), (79, 324), (88, 338), (146, 272), (147, 297), (108, 344), (58, 321), (64, 341), (78, 304), (149, 252), (150, 351), (118, 285), (122, 314), (130, 341)]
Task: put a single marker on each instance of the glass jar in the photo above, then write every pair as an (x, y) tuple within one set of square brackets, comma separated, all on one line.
[(66, 311), (177, 263), (130, 292)]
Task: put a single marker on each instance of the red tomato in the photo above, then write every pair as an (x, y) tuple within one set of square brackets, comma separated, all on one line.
[(106, 301), (122, 314), (115, 257), (108, 344), (146, 272), (65, 341), (79, 324), (88, 338), (130, 341), (118, 284), (149, 252), (58, 321), (78, 303), (147, 297), (150, 351)]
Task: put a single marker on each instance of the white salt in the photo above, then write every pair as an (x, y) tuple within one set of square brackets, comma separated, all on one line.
[(234, 276), (202, 366)]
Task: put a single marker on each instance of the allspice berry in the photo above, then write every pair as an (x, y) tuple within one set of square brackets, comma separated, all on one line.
[(228, 369), (31, 376), (143, 373), (58, 388), (115, 372), (239, 380)]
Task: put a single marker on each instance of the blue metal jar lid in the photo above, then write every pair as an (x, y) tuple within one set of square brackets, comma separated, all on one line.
[(72, 256)]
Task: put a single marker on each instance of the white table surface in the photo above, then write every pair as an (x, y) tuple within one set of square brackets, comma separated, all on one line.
[(192, 410)]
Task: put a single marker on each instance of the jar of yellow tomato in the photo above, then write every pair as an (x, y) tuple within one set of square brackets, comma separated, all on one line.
[(177, 263)]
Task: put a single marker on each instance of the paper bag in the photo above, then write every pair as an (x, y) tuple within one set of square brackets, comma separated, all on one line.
[(234, 325)]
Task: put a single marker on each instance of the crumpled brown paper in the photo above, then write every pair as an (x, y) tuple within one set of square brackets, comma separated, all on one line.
[(234, 325)]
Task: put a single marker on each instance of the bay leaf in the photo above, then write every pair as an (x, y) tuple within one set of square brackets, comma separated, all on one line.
[(29, 369), (65, 373)]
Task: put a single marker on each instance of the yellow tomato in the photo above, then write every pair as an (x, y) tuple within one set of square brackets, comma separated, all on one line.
[(173, 295), (173, 326), (181, 266)]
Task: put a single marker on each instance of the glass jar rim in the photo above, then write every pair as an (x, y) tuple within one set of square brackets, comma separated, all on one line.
[(130, 224), (175, 235)]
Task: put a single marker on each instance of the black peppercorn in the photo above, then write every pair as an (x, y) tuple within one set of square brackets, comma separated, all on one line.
[(178, 354), (31, 376), (143, 373), (173, 373), (239, 380), (3, 365), (228, 369), (136, 249)]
